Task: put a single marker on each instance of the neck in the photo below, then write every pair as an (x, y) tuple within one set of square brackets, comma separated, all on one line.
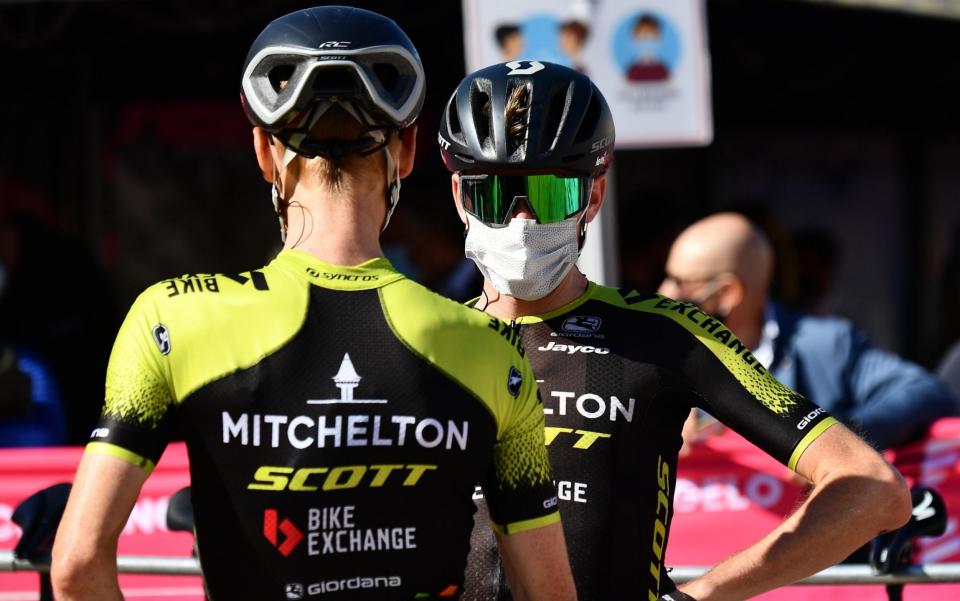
[(336, 226), (747, 325), (508, 307)]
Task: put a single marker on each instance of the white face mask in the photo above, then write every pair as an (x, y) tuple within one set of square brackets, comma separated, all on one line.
[(525, 259)]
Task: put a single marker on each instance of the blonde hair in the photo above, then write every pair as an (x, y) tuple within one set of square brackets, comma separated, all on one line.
[(336, 123), (515, 115)]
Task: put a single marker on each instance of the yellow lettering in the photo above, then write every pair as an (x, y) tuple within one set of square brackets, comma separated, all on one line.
[(663, 502), (551, 432), (383, 472), (416, 472), (663, 474), (660, 524), (269, 477), (355, 474), (588, 438), (659, 534), (272, 475), (299, 480), (655, 572)]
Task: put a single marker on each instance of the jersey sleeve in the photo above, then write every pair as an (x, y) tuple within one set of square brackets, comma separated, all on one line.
[(519, 486), (135, 422), (737, 390)]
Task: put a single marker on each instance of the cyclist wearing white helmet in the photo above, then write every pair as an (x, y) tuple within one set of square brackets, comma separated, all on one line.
[(337, 415), (529, 144)]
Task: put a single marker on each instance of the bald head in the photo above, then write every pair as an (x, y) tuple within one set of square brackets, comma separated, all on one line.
[(723, 243), (724, 264)]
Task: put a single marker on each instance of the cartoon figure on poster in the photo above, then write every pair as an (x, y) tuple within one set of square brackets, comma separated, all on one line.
[(573, 36), (650, 57), (546, 37), (510, 39), (646, 46)]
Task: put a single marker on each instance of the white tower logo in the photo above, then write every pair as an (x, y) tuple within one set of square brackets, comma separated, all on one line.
[(346, 380)]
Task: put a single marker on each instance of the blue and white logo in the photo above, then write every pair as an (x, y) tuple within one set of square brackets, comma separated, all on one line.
[(162, 337), (514, 381), (582, 324)]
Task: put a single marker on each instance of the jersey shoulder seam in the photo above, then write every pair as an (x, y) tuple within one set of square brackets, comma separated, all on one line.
[(396, 334)]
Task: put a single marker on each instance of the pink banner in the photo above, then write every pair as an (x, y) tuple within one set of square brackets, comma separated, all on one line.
[(25, 471), (728, 495)]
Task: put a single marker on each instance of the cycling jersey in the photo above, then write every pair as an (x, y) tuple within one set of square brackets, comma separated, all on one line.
[(619, 372), (336, 419)]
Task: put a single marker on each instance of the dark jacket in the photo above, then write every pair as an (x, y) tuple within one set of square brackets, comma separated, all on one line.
[(886, 399)]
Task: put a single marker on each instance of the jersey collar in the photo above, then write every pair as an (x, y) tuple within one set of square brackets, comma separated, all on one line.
[(365, 276), (587, 294)]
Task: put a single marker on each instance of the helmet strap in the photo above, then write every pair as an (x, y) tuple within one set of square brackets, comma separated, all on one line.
[(393, 185), (280, 204), (298, 141), (381, 138), (280, 210)]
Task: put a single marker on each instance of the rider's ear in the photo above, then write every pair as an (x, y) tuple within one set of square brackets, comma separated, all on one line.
[(455, 189), (597, 193), (262, 146), (408, 150)]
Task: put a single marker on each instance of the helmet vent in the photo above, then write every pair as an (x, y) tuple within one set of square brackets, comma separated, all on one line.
[(389, 78), (555, 116), (336, 81), (454, 127), (516, 119), (591, 118), (279, 76), (480, 105)]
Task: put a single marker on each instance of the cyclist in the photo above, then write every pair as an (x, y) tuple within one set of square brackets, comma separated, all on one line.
[(529, 144), (337, 415)]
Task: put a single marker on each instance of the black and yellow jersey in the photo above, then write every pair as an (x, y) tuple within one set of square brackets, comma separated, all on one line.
[(337, 420), (619, 372)]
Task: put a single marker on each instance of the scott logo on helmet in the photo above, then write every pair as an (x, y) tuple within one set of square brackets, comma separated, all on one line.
[(515, 69), (601, 144)]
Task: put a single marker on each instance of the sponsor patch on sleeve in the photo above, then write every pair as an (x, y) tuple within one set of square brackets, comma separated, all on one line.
[(514, 381)]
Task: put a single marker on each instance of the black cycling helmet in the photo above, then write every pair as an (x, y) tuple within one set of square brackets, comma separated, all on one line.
[(569, 125), (306, 60)]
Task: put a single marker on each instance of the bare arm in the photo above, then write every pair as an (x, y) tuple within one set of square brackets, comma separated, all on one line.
[(85, 551), (536, 564), (856, 495)]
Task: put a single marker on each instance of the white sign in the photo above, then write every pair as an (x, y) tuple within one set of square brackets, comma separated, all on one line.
[(648, 57)]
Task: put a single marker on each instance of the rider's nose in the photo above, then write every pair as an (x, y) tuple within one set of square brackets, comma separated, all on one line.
[(522, 209)]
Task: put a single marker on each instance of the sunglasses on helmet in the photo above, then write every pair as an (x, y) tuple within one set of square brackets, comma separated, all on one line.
[(551, 198)]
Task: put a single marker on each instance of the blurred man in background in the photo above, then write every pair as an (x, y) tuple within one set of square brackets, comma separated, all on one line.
[(57, 306), (949, 370), (724, 264), (300, 489), (31, 413), (529, 146)]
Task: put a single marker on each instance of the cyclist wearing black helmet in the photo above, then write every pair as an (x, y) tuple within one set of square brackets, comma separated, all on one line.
[(529, 144), (336, 414)]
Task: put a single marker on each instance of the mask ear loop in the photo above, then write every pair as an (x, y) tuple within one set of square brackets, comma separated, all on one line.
[(582, 222)]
